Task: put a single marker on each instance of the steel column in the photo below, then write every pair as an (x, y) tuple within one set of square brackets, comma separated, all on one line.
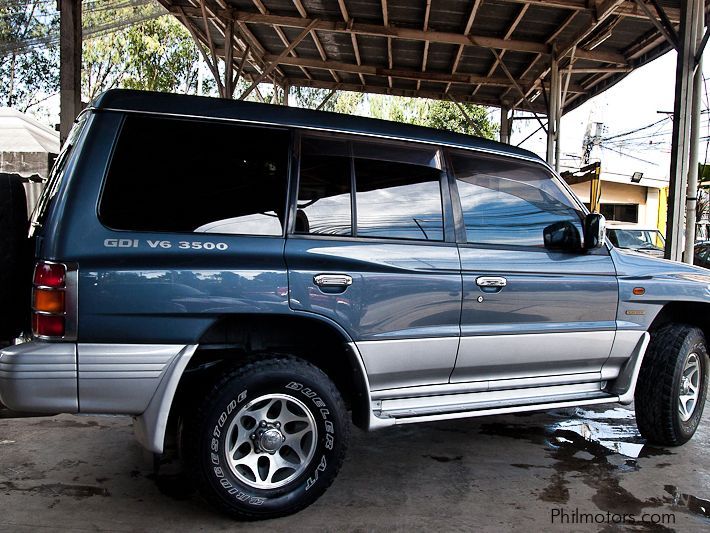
[(682, 117), (69, 65), (692, 192), (504, 135), (553, 110)]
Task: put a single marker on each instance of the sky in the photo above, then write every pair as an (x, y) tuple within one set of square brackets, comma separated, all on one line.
[(633, 103)]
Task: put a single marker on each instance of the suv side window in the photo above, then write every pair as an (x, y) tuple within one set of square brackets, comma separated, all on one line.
[(507, 202), (397, 190), (179, 175), (324, 200)]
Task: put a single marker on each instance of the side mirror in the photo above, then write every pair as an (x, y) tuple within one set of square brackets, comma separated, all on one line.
[(594, 231), (562, 236)]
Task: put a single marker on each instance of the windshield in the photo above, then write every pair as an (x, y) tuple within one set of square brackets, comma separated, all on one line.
[(637, 239), (56, 175)]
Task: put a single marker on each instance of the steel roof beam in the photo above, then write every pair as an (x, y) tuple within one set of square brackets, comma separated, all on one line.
[(430, 76), (316, 40), (466, 31), (383, 89), (273, 64), (262, 9), (516, 21), (355, 28), (627, 8)]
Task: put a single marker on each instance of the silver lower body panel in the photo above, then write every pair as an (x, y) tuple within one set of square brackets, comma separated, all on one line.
[(39, 377), (64, 377)]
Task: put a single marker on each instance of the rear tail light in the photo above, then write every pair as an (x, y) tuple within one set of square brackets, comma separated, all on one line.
[(49, 300)]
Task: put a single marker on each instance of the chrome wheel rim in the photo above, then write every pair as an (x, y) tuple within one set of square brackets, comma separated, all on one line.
[(271, 441), (689, 387)]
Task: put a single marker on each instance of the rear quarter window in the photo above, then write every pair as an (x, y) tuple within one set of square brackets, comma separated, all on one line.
[(176, 175)]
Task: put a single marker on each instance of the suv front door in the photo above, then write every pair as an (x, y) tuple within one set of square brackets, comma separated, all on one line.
[(528, 314), (372, 248)]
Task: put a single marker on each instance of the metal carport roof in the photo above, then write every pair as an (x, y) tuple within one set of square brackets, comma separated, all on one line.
[(489, 52)]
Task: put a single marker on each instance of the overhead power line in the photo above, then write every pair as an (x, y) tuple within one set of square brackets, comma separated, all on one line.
[(152, 11)]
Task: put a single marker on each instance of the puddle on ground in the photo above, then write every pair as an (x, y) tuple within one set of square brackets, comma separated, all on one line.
[(614, 429), (594, 447), (695, 505)]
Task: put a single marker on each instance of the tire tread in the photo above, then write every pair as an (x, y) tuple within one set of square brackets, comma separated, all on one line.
[(654, 396), (250, 365)]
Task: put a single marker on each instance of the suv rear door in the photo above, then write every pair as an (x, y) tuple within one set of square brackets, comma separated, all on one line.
[(382, 263), (527, 312)]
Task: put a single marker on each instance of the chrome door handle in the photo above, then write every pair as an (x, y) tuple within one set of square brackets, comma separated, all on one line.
[(491, 281), (333, 280)]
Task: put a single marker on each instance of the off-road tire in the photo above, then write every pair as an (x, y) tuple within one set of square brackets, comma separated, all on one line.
[(14, 288), (659, 385), (206, 428)]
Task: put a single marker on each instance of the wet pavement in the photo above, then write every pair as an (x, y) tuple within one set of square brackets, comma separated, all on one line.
[(566, 470)]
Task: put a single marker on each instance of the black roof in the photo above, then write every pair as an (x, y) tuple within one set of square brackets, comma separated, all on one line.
[(218, 108)]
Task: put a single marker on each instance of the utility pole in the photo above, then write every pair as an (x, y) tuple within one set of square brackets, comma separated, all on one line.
[(69, 65)]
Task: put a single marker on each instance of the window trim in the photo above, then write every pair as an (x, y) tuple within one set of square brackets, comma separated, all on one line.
[(462, 239), (189, 118), (448, 222)]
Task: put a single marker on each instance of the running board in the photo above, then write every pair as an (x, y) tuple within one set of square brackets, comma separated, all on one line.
[(407, 410), (497, 411)]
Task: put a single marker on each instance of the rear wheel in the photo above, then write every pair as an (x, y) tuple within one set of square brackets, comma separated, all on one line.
[(268, 439), (672, 384)]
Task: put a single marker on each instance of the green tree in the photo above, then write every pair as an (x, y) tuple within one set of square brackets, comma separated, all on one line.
[(438, 114), (155, 55), (29, 69)]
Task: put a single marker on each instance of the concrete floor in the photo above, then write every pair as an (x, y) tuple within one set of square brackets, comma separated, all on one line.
[(489, 474)]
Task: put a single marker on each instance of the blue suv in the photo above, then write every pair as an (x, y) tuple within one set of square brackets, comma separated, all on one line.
[(240, 277)]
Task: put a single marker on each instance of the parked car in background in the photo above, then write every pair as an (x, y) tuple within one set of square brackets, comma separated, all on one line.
[(649, 241), (702, 255)]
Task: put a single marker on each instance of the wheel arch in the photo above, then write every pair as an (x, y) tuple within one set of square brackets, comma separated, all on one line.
[(683, 312), (232, 338)]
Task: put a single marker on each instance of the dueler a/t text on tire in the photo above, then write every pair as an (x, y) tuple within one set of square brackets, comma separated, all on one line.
[(268, 439), (672, 384)]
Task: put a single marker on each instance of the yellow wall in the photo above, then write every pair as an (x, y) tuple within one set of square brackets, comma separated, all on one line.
[(651, 201)]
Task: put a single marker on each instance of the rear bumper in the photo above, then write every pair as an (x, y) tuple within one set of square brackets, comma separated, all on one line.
[(39, 377)]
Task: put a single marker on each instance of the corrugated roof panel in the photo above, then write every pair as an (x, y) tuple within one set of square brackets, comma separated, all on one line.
[(625, 38)]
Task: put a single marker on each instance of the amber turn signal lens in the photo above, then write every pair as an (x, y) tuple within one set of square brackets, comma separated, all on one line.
[(639, 291), (48, 301), (48, 325)]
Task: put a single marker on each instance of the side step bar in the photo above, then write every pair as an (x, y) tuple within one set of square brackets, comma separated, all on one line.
[(478, 401), (497, 411)]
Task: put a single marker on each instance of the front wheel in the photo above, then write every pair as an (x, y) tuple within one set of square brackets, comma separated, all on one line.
[(672, 384), (268, 439)]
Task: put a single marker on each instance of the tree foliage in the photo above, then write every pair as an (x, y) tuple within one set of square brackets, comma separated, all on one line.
[(28, 73), (156, 55), (431, 113), (438, 114)]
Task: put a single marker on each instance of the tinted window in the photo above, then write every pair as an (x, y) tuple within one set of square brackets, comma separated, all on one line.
[(188, 176), (324, 202), (397, 191), (506, 202), (398, 200)]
